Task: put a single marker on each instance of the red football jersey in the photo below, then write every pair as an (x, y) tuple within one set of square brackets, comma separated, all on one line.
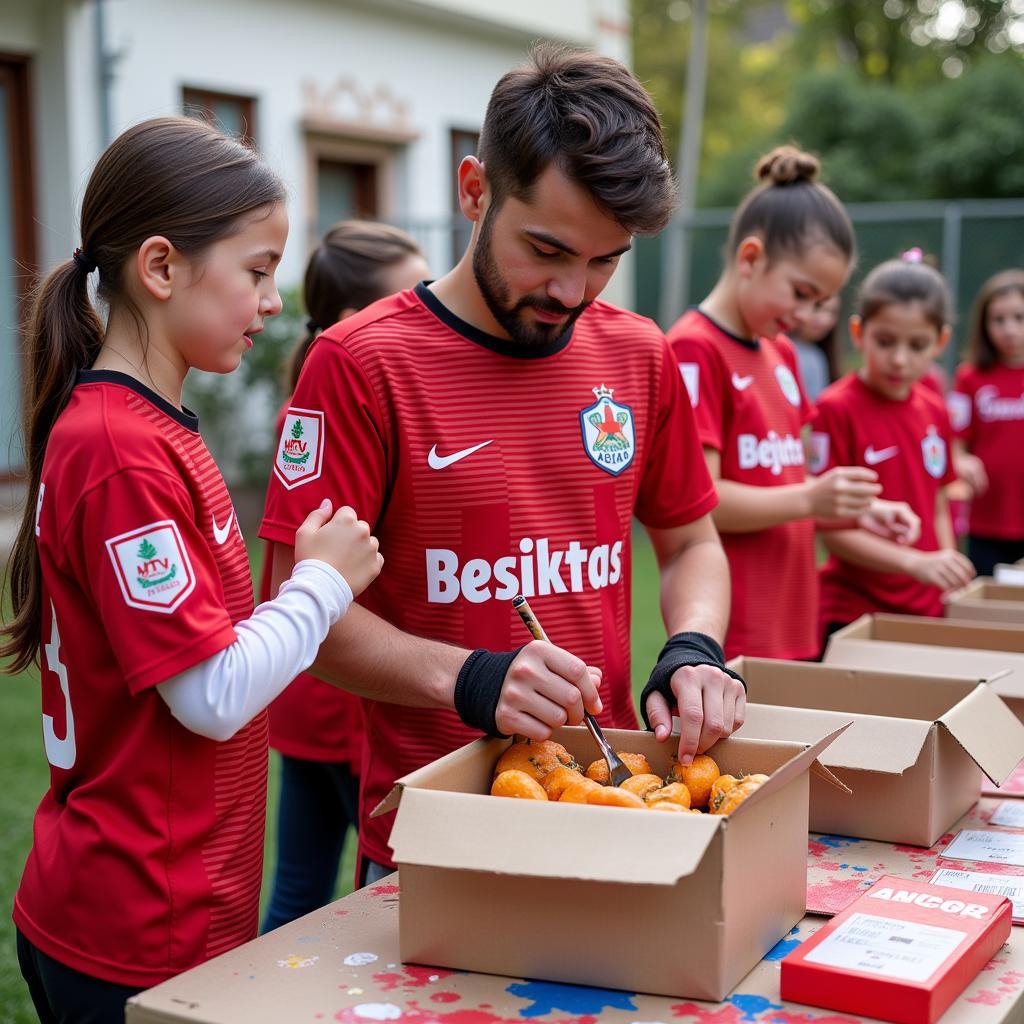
[(488, 469), (907, 444), (148, 846), (750, 407), (311, 719), (987, 410)]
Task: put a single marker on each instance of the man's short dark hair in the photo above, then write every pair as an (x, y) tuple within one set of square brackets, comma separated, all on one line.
[(587, 114)]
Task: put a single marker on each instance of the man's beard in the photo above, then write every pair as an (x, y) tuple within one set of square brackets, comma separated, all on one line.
[(496, 294)]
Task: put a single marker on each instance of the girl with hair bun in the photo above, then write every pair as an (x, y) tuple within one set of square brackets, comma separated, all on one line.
[(790, 247), (130, 581), (987, 409), (884, 417)]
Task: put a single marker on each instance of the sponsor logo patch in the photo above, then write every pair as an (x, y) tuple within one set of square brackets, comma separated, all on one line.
[(958, 406), (691, 378), (299, 456), (609, 438), (788, 385), (152, 566), (818, 445), (933, 450)]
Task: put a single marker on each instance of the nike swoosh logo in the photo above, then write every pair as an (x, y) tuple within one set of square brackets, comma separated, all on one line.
[(873, 458), (742, 383), (436, 461), (220, 533)]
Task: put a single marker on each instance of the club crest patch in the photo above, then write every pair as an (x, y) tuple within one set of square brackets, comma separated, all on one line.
[(818, 444), (152, 566), (299, 456), (933, 449), (691, 378), (609, 436), (788, 384)]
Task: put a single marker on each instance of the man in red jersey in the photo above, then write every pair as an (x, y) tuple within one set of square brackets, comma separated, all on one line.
[(500, 428)]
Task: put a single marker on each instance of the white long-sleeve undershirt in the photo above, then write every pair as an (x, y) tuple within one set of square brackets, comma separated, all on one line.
[(226, 691)]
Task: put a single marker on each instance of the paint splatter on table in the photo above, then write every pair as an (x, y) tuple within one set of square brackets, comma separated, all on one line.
[(355, 976)]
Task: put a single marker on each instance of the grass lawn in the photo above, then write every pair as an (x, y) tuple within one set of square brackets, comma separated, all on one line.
[(23, 773)]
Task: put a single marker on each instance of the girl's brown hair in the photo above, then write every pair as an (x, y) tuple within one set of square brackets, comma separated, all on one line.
[(897, 282), (170, 176), (790, 209), (346, 271), (980, 350)]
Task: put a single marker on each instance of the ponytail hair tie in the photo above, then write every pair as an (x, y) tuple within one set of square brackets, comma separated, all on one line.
[(915, 255), (84, 261), (312, 326)]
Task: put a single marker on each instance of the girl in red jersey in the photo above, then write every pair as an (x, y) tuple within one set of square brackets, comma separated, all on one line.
[(316, 727), (790, 247), (987, 409), (885, 418), (130, 581)]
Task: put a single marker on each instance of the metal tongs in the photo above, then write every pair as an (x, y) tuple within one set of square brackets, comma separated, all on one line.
[(618, 771)]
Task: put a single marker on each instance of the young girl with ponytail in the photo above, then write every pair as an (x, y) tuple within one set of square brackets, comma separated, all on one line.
[(130, 582)]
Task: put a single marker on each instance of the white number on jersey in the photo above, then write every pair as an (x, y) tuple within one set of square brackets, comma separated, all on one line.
[(60, 753)]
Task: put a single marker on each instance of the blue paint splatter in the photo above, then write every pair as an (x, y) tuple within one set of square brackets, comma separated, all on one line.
[(855, 868), (781, 948), (575, 999), (836, 842), (751, 1006)]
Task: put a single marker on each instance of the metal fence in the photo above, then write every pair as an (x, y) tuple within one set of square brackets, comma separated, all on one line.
[(970, 239)]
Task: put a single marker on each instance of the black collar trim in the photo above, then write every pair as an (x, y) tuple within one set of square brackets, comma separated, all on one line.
[(752, 343), (503, 346), (185, 417)]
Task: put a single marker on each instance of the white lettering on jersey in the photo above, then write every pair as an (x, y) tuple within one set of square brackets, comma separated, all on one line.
[(691, 378), (39, 505), (772, 452), (537, 570), (152, 566), (61, 753), (959, 408), (991, 407), (931, 902)]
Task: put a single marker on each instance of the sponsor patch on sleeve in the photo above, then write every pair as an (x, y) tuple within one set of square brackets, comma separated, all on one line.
[(300, 449), (817, 451), (152, 566), (691, 378), (958, 406)]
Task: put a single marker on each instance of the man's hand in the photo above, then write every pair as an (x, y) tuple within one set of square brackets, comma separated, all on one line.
[(892, 520), (711, 705), (546, 687)]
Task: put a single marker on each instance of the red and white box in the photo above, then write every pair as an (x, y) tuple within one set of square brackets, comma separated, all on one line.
[(903, 951)]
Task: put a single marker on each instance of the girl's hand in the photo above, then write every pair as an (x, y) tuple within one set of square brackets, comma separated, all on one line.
[(845, 492), (971, 470), (341, 540), (893, 520), (947, 570)]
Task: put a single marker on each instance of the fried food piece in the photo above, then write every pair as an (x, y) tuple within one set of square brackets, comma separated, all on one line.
[(535, 757), (577, 792), (641, 785), (612, 796), (698, 776), (517, 784), (636, 763), (674, 792), (555, 782)]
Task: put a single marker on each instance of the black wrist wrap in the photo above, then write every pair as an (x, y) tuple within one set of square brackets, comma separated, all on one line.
[(478, 688), (679, 651)]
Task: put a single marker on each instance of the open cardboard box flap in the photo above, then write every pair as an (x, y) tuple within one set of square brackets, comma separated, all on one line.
[(438, 827), (988, 731)]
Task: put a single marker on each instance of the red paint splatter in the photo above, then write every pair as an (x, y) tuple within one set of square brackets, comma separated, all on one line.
[(414, 1014), (384, 890), (786, 1017), (410, 977), (722, 1015), (340, 913), (836, 894), (986, 998), (445, 997)]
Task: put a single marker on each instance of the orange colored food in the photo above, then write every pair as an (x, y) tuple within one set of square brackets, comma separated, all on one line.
[(668, 805), (698, 776), (641, 785), (555, 782), (636, 763), (735, 796), (535, 757), (721, 786), (612, 796), (517, 784), (674, 792), (577, 792)]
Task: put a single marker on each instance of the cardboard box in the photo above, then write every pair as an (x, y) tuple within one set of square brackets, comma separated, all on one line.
[(901, 952), (949, 648), (913, 757), (680, 905), (985, 600)]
